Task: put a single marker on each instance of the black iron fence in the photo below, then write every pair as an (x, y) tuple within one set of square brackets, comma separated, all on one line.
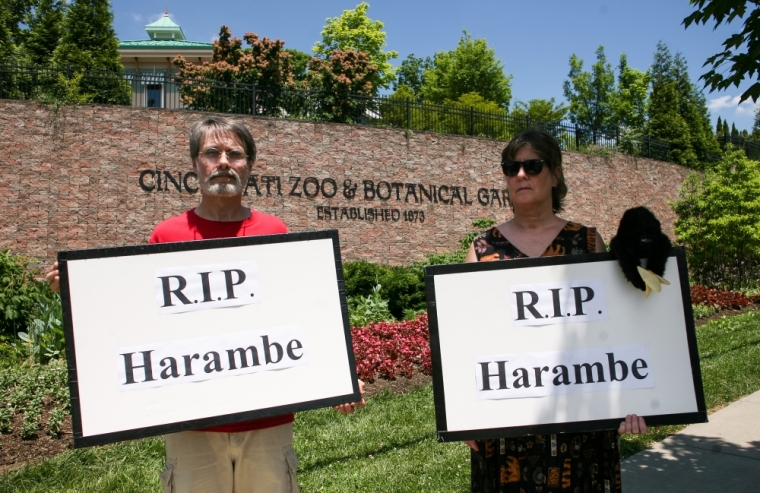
[(751, 147), (165, 91)]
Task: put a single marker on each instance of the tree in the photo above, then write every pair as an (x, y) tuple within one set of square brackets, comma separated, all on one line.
[(412, 74), (539, 113), (353, 30), (739, 58), (299, 64), (343, 74), (12, 15), (471, 67), (693, 109), (719, 127), (719, 222), (590, 94), (265, 64), (756, 125), (45, 23), (629, 102), (678, 112), (475, 117), (540, 110), (88, 40)]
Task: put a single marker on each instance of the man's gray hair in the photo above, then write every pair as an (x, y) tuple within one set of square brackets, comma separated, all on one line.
[(221, 125)]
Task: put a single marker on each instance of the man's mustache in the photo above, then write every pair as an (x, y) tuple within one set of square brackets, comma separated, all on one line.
[(221, 172)]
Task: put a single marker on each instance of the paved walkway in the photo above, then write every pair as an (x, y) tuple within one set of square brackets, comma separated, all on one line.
[(721, 456)]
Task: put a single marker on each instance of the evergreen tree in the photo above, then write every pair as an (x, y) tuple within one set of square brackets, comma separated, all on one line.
[(471, 67), (719, 127), (665, 119), (756, 125), (12, 15), (88, 40), (590, 94), (693, 109), (678, 111), (734, 131), (45, 23)]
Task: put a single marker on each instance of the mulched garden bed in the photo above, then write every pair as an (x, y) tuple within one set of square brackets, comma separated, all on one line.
[(16, 451)]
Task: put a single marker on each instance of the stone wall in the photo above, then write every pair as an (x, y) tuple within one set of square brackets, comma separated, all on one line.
[(86, 176)]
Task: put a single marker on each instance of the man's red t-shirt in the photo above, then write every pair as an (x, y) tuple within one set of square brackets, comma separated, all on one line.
[(189, 226)]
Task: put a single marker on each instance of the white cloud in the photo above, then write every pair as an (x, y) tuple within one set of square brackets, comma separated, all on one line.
[(745, 108), (721, 102), (137, 17)]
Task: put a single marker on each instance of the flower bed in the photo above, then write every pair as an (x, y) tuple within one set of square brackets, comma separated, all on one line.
[(391, 349), (721, 299)]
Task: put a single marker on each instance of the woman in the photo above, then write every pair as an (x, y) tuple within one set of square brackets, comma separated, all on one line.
[(568, 462)]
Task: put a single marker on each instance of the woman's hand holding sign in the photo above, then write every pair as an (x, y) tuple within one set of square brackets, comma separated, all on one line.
[(633, 425)]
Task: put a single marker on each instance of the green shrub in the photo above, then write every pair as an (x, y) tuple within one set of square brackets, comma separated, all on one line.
[(20, 293), (719, 223), (404, 286), (703, 311), (362, 310), (6, 419), (44, 339), (361, 277), (55, 420)]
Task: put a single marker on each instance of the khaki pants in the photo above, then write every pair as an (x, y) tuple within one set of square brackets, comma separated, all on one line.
[(258, 461)]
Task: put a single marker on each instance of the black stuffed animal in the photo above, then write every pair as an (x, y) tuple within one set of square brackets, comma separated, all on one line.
[(640, 236)]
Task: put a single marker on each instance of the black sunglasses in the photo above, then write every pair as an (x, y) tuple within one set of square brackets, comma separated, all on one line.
[(531, 167)]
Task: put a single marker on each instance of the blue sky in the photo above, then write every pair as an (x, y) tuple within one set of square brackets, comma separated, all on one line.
[(534, 39)]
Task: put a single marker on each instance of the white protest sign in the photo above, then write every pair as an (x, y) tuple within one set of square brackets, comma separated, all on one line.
[(161, 338), (559, 344)]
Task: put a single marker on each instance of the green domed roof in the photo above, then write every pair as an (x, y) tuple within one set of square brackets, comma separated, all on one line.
[(165, 28)]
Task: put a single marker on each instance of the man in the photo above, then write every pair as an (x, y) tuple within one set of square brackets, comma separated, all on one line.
[(252, 456)]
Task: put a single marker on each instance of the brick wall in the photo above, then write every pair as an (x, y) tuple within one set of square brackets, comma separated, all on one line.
[(71, 179)]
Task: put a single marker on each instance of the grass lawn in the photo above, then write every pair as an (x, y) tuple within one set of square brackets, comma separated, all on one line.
[(388, 446)]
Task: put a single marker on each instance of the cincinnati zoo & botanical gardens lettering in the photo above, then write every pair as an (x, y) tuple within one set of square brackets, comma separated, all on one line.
[(370, 192)]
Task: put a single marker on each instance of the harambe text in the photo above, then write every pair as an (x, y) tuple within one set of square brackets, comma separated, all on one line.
[(193, 360), (510, 376)]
